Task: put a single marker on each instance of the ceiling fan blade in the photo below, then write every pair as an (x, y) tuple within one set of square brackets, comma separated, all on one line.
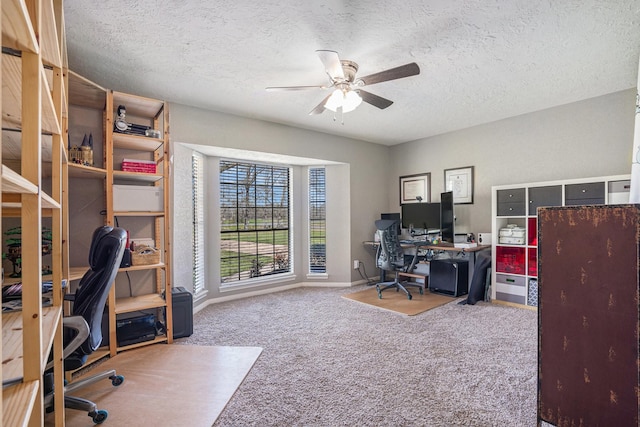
[(320, 107), (400, 72), (332, 64), (375, 100), (282, 88)]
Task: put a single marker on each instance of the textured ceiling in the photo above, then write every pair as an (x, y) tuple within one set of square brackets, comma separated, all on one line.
[(480, 60)]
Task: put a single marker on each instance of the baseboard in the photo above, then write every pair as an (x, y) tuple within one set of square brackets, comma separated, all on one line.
[(244, 295), (310, 284)]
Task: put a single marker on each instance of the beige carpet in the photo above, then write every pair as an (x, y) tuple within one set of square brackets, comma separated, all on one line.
[(398, 301), (168, 385)]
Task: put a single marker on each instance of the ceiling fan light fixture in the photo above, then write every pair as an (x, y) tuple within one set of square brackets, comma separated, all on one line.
[(348, 100), (351, 101), (335, 100)]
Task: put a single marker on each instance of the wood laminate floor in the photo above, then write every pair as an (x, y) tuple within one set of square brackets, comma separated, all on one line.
[(167, 385)]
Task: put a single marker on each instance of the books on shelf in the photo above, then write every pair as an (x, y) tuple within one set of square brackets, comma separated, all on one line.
[(144, 166)]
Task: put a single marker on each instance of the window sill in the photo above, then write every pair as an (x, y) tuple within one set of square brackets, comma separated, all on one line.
[(317, 276), (252, 283), (200, 296)]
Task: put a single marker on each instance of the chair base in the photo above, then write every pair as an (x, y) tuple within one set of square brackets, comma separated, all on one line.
[(399, 286), (81, 404)]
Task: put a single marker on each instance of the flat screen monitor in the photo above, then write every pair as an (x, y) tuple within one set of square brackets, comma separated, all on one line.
[(424, 216), (447, 217)]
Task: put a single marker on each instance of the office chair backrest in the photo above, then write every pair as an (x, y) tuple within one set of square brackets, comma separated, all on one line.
[(105, 255), (390, 255)]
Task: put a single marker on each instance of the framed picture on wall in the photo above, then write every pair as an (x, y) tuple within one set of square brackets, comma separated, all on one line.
[(460, 181), (415, 188)]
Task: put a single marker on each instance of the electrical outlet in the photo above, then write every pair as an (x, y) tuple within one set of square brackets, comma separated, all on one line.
[(356, 264)]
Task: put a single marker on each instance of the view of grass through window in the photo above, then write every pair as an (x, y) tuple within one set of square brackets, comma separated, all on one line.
[(254, 216)]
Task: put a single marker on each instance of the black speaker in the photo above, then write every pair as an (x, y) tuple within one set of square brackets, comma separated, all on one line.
[(449, 276), (182, 311)]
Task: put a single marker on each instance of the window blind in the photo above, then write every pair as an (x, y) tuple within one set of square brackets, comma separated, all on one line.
[(197, 180), (254, 220), (317, 221)]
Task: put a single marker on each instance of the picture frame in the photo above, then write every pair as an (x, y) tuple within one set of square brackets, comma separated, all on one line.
[(415, 188), (460, 181)]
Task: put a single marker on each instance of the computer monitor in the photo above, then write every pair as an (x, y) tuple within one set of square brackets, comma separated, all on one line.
[(447, 217), (425, 216)]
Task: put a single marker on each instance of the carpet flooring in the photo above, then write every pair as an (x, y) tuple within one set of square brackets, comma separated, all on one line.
[(167, 385), (398, 301), (327, 361)]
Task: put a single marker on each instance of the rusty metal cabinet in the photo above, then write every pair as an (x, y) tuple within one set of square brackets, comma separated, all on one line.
[(588, 312)]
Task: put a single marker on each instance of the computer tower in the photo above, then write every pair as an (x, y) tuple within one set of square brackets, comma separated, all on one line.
[(449, 276), (182, 310)]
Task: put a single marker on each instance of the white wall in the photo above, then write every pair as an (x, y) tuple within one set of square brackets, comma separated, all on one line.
[(356, 190), (587, 138), (593, 137)]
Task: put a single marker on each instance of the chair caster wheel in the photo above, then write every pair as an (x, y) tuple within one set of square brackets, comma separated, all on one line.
[(421, 291), (99, 416), (117, 380), (409, 296), (379, 291)]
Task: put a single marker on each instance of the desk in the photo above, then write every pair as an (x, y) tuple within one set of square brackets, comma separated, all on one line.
[(446, 247)]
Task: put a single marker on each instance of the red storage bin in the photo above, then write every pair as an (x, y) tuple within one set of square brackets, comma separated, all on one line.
[(510, 260)]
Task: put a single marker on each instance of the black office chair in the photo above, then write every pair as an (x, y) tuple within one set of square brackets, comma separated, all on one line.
[(390, 257), (83, 329)]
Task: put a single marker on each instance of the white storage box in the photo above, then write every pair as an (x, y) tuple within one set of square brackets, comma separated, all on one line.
[(137, 198), (511, 230), (506, 240)]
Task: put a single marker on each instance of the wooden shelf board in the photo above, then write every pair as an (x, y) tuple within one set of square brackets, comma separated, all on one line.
[(50, 318), (49, 40), (17, 31), (138, 105), (94, 357), (76, 273), (17, 403), (141, 302), (12, 96), (48, 202), (125, 141), (12, 147), (81, 171), (141, 214), (12, 201), (13, 182), (143, 267), (136, 176), (158, 339), (12, 339), (50, 121), (85, 93)]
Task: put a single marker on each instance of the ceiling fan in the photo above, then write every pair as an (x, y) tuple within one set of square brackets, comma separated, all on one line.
[(348, 93)]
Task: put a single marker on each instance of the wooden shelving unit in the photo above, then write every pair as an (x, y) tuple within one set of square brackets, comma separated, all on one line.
[(153, 113), (92, 109), (33, 159)]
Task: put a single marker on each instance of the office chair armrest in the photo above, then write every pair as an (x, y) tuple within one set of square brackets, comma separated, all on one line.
[(70, 297), (78, 324)]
